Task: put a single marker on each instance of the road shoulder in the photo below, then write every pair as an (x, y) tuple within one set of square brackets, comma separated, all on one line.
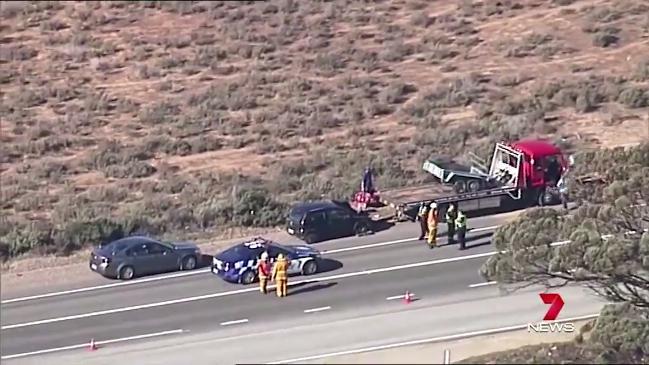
[(458, 349)]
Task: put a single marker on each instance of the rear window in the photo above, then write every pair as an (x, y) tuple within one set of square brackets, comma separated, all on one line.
[(115, 247), (168, 245)]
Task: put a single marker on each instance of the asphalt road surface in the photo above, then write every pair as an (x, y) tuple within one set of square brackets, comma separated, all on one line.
[(355, 301)]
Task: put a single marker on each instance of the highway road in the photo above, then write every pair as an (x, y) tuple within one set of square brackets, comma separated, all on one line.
[(359, 291)]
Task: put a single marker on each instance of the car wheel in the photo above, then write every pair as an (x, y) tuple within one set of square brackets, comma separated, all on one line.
[(189, 263), (361, 229), (311, 238), (126, 273), (248, 277), (310, 267)]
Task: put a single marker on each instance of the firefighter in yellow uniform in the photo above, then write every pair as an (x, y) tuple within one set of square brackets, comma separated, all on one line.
[(432, 226), (280, 275)]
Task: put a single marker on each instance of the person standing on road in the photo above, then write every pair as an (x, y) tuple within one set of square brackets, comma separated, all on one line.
[(460, 227), (432, 225), (263, 268), (280, 275), (451, 215), (422, 216), (563, 191)]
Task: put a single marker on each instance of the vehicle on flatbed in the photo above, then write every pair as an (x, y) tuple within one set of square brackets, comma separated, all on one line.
[(327, 219), (521, 174), (238, 264)]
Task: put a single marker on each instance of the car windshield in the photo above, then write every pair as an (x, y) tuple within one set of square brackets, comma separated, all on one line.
[(296, 214)]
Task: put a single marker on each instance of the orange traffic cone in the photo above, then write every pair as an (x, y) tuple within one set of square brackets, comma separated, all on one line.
[(92, 346), (407, 298)]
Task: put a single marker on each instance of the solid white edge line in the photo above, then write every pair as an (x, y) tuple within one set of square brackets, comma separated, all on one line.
[(388, 243), (204, 270), (371, 245), (238, 321), (98, 343), (228, 293), (427, 340), (106, 286), (319, 309), (482, 284)]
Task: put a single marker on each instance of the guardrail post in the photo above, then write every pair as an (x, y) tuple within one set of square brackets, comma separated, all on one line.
[(447, 356)]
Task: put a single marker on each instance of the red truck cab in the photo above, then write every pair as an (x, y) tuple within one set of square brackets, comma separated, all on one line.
[(543, 163)]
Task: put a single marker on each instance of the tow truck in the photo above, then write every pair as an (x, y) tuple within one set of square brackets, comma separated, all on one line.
[(522, 174)]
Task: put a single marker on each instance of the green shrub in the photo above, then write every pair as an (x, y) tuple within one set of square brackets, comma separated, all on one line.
[(634, 97), (605, 39)]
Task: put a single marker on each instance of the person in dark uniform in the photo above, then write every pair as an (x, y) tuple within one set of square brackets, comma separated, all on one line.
[(367, 184), (451, 214), (460, 227), (422, 216)]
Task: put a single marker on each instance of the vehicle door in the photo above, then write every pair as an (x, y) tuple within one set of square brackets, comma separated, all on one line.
[(315, 222), (162, 258), (340, 222), (294, 264), (537, 178), (139, 258)]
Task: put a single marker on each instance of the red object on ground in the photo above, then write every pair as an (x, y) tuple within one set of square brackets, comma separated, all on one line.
[(407, 298)]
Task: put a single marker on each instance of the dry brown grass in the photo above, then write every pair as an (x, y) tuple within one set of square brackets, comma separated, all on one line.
[(153, 108)]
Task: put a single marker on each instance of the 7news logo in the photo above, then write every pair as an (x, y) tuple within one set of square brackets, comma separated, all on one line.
[(556, 304)]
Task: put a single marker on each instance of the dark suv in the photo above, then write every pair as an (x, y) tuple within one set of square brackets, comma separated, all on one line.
[(323, 220)]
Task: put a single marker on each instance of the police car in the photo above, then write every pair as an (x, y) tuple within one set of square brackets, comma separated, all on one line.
[(238, 264)]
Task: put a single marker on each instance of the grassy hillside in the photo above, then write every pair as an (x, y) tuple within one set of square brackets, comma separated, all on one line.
[(181, 117)]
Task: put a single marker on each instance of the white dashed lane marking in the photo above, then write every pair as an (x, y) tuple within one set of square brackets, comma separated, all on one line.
[(319, 309), (482, 284), (239, 321)]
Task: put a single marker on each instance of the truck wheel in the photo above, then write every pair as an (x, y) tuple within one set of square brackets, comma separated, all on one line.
[(459, 187), (542, 200), (474, 185)]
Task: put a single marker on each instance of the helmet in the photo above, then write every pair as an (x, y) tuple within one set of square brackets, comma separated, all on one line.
[(280, 256), (433, 205), (264, 255), (451, 208)]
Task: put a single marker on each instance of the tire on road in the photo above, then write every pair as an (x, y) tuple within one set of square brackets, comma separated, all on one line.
[(248, 277), (189, 263), (126, 272), (310, 267), (310, 238)]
